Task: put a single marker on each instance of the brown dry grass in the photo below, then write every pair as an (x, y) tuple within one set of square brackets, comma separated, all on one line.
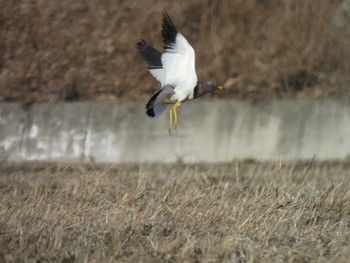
[(238, 212), (62, 50)]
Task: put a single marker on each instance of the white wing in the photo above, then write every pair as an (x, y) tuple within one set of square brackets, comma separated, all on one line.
[(178, 60), (159, 75)]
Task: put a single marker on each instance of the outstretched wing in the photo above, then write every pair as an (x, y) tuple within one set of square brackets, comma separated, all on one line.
[(178, 60), (152, 58)]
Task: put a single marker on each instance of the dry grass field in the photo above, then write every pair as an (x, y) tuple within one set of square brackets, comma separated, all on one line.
[(237, 212), (60, 50)]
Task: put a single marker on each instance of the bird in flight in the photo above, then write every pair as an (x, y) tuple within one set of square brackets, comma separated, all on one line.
[(175, 70)]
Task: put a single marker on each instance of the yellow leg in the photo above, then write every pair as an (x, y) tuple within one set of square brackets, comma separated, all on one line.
[(175, 117), (170, 120), (173, 126)]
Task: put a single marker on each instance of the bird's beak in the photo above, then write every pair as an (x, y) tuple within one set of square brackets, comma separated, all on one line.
[(221, 87)]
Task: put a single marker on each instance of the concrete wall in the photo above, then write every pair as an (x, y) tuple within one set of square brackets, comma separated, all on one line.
[(208, 131)]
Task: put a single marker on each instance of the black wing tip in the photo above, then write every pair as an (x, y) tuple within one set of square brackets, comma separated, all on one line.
[(141, 44), (169, 31), (168, 23), (166, 15), (151, 56)]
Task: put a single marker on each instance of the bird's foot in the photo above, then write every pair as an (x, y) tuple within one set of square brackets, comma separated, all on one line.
[(172, 128)]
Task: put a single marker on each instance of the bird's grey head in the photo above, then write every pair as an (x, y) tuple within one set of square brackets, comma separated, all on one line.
[(206, 87), (213, 85)]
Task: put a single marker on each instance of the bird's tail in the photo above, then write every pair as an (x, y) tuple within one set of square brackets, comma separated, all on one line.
[(158, 102)]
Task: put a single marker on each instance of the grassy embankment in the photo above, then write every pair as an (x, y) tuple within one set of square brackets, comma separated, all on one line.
[(62, 51)]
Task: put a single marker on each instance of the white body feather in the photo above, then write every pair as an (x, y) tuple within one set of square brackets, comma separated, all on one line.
[(178, 69)]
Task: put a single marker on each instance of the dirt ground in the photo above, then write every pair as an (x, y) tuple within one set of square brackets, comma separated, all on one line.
[(61, 50), (233, 212)]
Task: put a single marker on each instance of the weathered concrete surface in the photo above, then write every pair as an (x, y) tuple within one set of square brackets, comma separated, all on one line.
[(208, 131), (12, 124)]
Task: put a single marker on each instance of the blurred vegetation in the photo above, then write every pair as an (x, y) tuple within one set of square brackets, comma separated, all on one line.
[(62, 50)]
